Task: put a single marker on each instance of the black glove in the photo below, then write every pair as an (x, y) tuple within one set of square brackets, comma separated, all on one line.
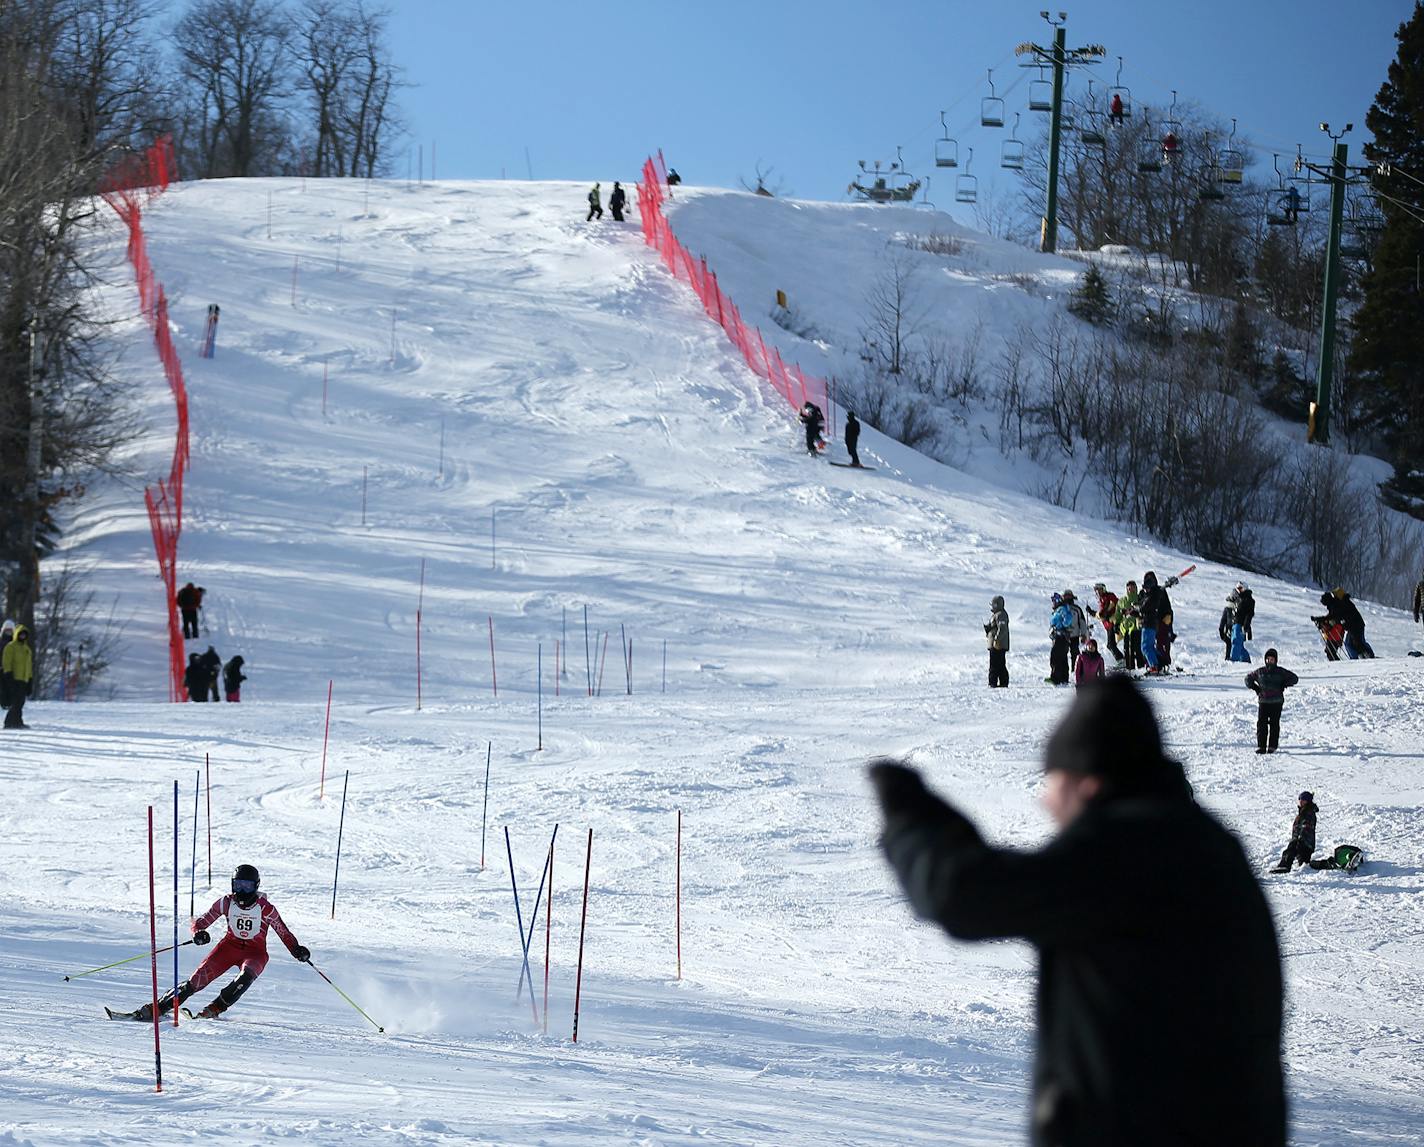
[(302, 953), (201, 937), (1170, 582), (898, 787)]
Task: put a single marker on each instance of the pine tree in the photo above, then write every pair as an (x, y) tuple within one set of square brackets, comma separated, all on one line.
[(1091, 301), (1387, 353)]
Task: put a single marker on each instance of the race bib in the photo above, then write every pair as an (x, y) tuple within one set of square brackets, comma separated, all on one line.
[(244, 923)]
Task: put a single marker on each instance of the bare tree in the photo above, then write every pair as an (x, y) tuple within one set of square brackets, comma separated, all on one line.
[(890, 320)]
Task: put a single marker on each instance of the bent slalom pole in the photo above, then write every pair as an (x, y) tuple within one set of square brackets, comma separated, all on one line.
[(344, 996), (126, 960)]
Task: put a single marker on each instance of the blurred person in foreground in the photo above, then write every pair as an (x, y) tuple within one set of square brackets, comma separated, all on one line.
[(1145, 1034)]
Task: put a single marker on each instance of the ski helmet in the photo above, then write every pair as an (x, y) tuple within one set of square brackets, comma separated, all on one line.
[(245, 882)]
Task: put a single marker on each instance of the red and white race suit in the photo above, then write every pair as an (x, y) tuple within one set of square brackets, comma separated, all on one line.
[(245, 945)]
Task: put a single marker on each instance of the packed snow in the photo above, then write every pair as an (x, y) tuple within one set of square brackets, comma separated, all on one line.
[(548, 422)]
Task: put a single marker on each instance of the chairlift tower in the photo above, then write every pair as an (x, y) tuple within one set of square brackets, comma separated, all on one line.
[(1060, 58)]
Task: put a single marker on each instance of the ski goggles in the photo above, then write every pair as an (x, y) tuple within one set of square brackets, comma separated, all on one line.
[(244, 888)]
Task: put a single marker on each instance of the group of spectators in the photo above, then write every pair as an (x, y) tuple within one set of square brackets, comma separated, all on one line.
[(200, 678)]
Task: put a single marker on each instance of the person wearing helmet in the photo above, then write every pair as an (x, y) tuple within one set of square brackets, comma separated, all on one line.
[(996, 634), (248, 914), (1060, 629)]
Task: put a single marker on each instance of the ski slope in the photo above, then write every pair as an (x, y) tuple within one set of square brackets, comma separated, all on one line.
[(548, 422)]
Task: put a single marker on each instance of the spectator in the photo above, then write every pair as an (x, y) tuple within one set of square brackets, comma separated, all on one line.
[(1125, 620), (1302, 841), (1270, 683), (1090, 665), (616, 202), (1080, 628), (1132, 902), (595, 207), (190, 600), (852, 436), (233, 679), (1105, 611), (212, 662), (1060, 626), (196, 678), (996, 633), (7, 635), (1339, 607), (17, 671)]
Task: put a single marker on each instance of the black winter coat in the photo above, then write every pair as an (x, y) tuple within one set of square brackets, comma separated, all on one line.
[(1343, 610), (1152, 604), (1245, 611), (1303, 827), (1143, 1036), (1270, 683)]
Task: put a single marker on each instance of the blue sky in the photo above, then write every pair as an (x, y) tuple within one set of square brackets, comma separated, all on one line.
[(810, 86)]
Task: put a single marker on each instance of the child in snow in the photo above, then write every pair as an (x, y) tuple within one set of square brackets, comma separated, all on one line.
[(233, 678), (1270, 683), (996, 633), (248, 916), (1090, 665), (1302, 841)]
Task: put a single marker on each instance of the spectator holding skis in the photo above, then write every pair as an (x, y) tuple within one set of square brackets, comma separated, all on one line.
[(1090, 665), (1105, 610), (1060, 627), (595, 206), (17, 677), (616, 202), (248, 915), (1136, 1045), (852, 437), (1339, 607), (1302, 841), (1152, 607), (996, 634), (1270, 683), (190, 600), (813, 420), (1126, 623), (233, 678), (195, 678), (1332, 634), (212, 663)]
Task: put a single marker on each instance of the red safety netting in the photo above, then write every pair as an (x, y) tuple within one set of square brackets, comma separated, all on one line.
[(134, 180), (790, 382)]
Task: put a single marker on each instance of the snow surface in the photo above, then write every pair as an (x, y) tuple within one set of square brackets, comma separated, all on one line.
[(813, 617)]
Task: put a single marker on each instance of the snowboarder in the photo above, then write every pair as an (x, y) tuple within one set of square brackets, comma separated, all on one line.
[(1105, 610), (1270, 683), (1339, 607), (1302, 841), (17, 671), (1347, 857), (852, 436), (248, 914), (813, 420), (1126, 623), (996, 634), (212, 663), (1135, 1043), (190, 600), (616, 201), (673, 177), (1090, 665), (595, 207), (195, 678), (233, 678), (1060, 626)]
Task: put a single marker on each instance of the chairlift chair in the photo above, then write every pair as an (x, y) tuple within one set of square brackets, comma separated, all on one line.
[(1040, 94), (991, 107), (1011, 155), (1230, 163), (923, 203), (1287, 200), (1092, 130), (1149, 152), (966, 186), (1172, 132), (946, 149), (901, 181), (1120, 93)]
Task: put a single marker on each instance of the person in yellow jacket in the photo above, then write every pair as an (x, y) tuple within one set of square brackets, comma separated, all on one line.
[(18, 666), (1129, 628)]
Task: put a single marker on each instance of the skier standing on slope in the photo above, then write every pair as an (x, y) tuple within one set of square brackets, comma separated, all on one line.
[(1060, 627), (996, 634), (616, 201), (248, 916), (1270, 683), (1137, 1042), (813, 420), (189, 600), (1419, 601), (852, 437)]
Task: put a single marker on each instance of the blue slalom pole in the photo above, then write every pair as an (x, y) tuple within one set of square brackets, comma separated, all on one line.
[(533, 922), (175, 902), (340, 828), (519, 920)]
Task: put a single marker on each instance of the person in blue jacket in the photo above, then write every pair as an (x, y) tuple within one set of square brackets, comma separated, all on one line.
[(1060, 630)]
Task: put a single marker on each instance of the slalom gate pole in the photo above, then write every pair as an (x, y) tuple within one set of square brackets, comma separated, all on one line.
[(519, 920), (528, 937), (153, 957), (344, 996), (548, 931), (679, 894), (564, 629), (539, 675), (587, 663), (630, 667), (193, 868), (419, 603), (340, 828), (118, 963), (325, 736), (602, 661), (623, 646), (208, 769), (175, 903), (484, 813), (494, 675), (583, 925)]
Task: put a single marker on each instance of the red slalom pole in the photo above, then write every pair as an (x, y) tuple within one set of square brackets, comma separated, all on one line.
[(583, 925), (548, 932), (153, 955), (324, 738), (494, 677), (679, 894)]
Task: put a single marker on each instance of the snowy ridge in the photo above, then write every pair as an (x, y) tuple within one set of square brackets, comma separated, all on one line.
[(813, 616)]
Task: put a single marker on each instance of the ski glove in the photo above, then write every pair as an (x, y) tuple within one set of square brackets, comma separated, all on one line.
[(201, 937), (302, 953)]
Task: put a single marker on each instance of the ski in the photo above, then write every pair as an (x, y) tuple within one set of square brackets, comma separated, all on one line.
[(113, 1015), (851, 466)]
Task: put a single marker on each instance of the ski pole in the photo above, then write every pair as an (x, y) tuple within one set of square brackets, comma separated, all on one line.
[(344, 996), (126, 960)]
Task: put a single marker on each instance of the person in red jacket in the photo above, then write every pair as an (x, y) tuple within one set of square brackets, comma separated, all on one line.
[(248, 916)]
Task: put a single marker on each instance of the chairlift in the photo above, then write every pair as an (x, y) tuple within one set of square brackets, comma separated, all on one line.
[(1011, 154), (1230, 163), (1287, 200), (1366, 215), (991, 107), (876, 188), (1040, 94), (1092, 130), (1149, 152), (966, 186), (1119, 99), (946, 149), (923, 203), (1172, 133), (1303, 179)]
